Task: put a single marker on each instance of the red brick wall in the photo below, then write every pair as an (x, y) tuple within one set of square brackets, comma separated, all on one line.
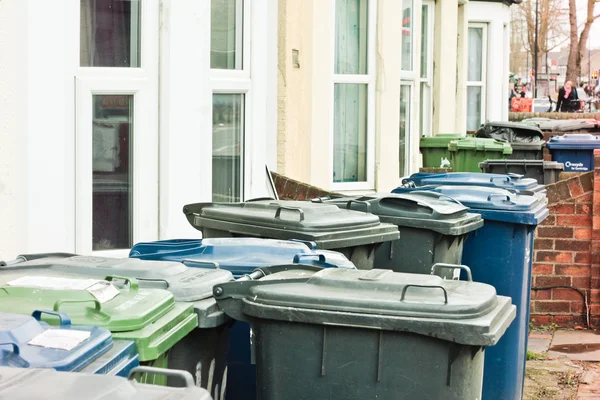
[(289, 189), (567, 254)]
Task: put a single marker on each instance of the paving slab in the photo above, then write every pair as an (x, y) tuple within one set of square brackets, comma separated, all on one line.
[(580, 345), (589, 383), (539, 342)]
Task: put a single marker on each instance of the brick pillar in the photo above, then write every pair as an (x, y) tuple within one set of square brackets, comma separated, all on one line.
[(595, 273)]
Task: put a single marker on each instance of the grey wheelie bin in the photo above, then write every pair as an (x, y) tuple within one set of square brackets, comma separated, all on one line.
[(378, 334), (433, 228), (35, 383), (355, 234), (202, 351)]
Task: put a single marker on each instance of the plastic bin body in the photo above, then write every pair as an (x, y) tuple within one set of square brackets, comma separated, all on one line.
[(432, 228), (118, 361), (468, 153), (241, 256), (356, 235), (527, 151), (545, 172), (435, 148), (360, 343), (500, 254), (576, 151)]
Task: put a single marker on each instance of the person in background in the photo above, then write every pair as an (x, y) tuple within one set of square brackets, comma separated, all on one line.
[(567, 96)]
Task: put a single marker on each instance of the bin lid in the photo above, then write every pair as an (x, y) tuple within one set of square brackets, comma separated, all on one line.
[(425, 210), (525, 163), (89, 302), (494, 203), (503, 181), (459, 311), (36, 383), (238, 255), (583, 141), (440, 140), (122, 357), (480, 144), (186, 284), (326, 225), (28, 342)]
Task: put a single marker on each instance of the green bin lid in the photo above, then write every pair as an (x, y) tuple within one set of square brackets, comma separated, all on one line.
[(440, 140), (424, 210), (130, 309), (463, 312), (327, 225), (480, 144)]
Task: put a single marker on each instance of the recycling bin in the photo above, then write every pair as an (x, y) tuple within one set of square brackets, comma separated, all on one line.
[(512, 182), (378, 334), (544, 172), (433, 229), (201, 351), (148, 317), (527, 141), (241, 256), (466, 154), (118, 361), (35, 383), (575, 151), (435, 148), (357, 235), (500, 254), (25, 342)]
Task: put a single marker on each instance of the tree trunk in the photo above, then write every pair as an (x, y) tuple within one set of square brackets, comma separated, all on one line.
[(573, 71)]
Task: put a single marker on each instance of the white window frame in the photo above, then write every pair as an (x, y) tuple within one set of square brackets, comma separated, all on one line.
[(369, 80), (142, 84), (484, 55), (411, 125), (413, 73), (239, 82), (427, 120)]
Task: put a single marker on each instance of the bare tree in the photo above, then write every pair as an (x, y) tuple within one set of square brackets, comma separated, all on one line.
[(579, 40)]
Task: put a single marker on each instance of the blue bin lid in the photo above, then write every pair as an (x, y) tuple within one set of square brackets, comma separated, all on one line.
[(119, 360), (581, 141), (238, 255), (25, 341), (493, 203), (503, 181)]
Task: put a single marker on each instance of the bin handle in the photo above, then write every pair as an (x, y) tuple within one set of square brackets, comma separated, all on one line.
[(16, 349), (202, 262), (453, 266), (504, 197), (280, 208), (185, 375), (310, 244), (97, 305), (65, 320), (133, 283), (365, 203), (405, 289), (437, 195), (297, 257)]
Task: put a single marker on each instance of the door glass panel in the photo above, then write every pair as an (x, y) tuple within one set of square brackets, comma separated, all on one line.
[(226, 34), (405, 127), (228, 147), (350, 133), (475, 54), (112, 178), (351, 19), (110, 33), (473, 107)]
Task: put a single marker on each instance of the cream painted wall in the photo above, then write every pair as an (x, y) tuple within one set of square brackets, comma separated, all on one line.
[(462, 56)]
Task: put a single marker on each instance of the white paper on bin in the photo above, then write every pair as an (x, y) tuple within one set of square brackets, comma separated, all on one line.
[(62, 339)]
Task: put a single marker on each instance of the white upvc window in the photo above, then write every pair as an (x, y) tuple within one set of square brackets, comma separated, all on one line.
[(476, 75), (353, 95), (231, 86), (409, 78), (406, 126), (426, 71), (116, 124)]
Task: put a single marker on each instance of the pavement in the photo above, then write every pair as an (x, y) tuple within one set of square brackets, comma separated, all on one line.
[(563, 365)]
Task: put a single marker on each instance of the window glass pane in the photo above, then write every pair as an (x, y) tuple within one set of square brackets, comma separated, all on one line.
[(350, 133), (473, 107), (475, 54), (226, 34), (407, 35), (351, 18), (228, 147), (425, 42), (112, 178), (110, 33), (405, 127), (425, 109)]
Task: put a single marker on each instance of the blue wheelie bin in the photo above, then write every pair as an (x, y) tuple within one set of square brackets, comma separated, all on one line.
[(241, 256), (576, 151), (500, 254)]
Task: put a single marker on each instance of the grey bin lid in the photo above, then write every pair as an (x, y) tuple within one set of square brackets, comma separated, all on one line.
[(186, 284), (327, 225), (463, 312), (36, 383), (424, 210)]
